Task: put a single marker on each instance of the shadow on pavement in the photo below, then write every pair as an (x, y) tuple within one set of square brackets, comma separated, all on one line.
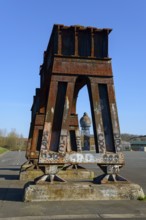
[(12, 169), (11, 194), (9, 176)]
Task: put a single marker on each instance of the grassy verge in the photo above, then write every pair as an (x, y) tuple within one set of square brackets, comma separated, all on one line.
[(2, 150), (142, 199)]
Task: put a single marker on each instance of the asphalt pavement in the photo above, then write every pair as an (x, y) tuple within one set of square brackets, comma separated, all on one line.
[(11, 194)]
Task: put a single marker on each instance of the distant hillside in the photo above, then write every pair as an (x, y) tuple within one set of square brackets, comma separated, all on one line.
[(130, 137), (125, 137)]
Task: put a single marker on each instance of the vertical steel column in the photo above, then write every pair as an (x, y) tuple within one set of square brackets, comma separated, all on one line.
[(78, 140), (64, 136), (29, 142), (114, 118), (47, 131), (97, 118), (34, 141), (59, 41), (76, 42), (28, 148), (92, 43)]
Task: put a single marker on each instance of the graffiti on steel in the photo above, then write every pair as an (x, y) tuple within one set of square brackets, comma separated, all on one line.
[(101, 142), (76, 157), (117, 139)]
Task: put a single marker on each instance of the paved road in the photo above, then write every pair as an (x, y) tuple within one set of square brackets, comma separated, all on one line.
[(10, 164), (11, 193), (12, 158)]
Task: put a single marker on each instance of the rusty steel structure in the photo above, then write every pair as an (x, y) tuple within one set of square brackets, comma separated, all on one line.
[(76, 56)]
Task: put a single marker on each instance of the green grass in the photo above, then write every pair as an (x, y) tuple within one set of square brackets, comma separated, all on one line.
[(142, 199), (2, 150)]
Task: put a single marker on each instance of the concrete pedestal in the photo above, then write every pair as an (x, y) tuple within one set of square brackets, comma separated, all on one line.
[(82, 191), (70, 174), (30, 175)]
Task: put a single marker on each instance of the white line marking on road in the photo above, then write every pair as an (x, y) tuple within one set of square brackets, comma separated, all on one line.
[(124, 216), (79, 216)]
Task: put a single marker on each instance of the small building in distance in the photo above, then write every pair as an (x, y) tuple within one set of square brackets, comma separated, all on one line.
[(85, 123), (138, 145)]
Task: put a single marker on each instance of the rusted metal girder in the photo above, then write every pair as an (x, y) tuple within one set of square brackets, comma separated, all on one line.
[(75, 56)]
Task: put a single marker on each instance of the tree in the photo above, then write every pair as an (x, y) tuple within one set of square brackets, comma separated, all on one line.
[(2, 137), (12, 139)]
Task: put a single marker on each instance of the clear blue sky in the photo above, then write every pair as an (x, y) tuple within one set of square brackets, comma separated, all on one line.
[(25, 27)]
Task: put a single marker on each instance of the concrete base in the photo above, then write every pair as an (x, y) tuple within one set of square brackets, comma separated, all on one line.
[(82, 191), (70, 174), (25, 165), (30, 175)]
